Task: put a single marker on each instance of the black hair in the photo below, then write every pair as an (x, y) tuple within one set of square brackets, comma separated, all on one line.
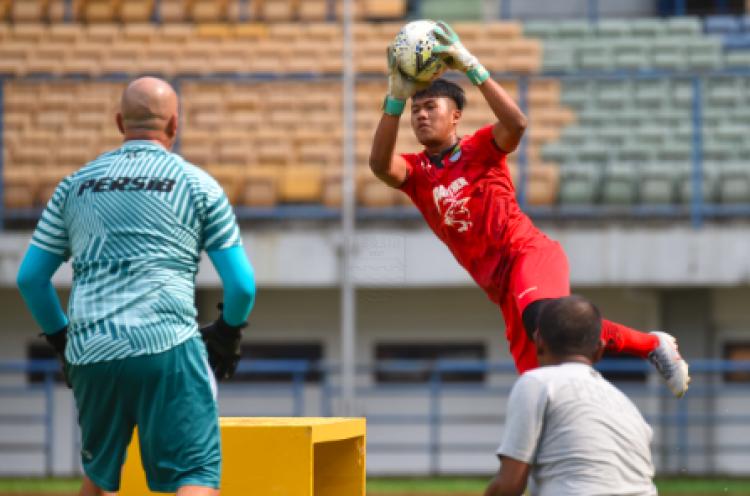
[(570, 326), (443, 88)]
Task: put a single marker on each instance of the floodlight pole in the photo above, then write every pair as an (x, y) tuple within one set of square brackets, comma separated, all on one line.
[(348, 214)]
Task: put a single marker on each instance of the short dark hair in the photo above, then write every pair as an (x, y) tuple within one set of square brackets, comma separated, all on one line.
[(570, 325), (442, 88)]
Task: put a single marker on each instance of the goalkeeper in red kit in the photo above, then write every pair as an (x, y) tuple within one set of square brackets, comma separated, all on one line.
[(462, 187)]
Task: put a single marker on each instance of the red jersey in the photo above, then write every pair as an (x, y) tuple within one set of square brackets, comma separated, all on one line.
[(470, 204)]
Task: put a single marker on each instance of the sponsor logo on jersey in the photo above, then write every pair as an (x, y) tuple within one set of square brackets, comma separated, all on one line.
[(107, 184), (451, 206)]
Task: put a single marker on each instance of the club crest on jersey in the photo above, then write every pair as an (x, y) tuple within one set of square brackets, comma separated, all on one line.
[(451, 206)]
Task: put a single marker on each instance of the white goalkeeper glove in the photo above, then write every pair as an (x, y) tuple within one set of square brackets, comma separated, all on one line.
[(400, 86), (456, 55)]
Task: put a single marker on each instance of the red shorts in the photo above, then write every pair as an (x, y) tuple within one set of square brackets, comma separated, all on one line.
[(541, 272)]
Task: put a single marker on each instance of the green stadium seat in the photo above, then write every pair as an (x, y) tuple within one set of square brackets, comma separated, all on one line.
[(651, 93), (614, 93), (683, 26), (737, 58), (541, 29), (558, 152), (734, 183), (710, 174), (740, 115), (668, 61), (579, 184), (619, 185), (672, 117), (613, 136), (629, 117), (450, 10), (576, 93), (635, 152), (594, 117), (594, 153), (658, 184), (575, 135), (613, 28), (575, 29), (682, 93), (559, 58), (647, 28), (675, 151), (651, 135), (717, 151), (723, 92), (595, 56), (730, 134), (704, 53)]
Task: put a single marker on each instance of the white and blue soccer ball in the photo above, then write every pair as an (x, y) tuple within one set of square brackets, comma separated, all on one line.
[(413, 46)]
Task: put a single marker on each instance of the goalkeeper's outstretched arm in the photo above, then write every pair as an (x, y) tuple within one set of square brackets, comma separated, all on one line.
[(511, 122), (390, 168)]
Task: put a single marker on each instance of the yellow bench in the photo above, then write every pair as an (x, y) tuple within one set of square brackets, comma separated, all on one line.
[(279, 456)]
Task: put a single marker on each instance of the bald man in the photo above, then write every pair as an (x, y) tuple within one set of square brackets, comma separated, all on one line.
[(135, 221)]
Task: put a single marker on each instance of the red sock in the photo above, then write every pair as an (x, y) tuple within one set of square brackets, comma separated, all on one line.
[(621, 339)]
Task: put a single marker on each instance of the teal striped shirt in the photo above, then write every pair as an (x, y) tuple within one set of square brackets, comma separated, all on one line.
[(135, 221)]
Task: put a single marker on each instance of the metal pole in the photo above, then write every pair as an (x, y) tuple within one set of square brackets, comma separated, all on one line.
[(593, 10), (68, 11), (49, 391), (696, 214), (523, 84), (244, 11), (679, 8), (156, 12), (2, 152), (348, 302), (435, 384), (505, 9)]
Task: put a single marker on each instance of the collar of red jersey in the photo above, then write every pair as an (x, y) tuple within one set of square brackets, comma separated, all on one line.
[(437, 161)]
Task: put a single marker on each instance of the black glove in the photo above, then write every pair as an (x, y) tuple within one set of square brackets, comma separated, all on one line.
[(58, 341), (223, 345)]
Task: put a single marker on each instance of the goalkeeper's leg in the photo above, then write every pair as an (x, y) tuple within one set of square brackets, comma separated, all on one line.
[(91, 489)]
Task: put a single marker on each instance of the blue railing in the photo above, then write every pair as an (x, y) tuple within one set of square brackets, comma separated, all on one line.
[(671, 452)]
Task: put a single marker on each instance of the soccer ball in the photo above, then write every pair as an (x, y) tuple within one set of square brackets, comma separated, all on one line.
[(413, 46)]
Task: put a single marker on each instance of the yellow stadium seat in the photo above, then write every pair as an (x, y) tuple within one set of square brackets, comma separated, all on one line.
[(28, 33), (47, 60), (313, 10), (138, 32), (552, 116), (504, 30), (19, 187), (261, 187), (253, 31), (207, 10), (136, 11), (99, 11), (277, 10), (538, 135), (158, 59), (121, 59), (25, 157), (195, 59), (5, 6), (16, 122), (66, 34), (214, 31), (230, 178), (102, 34), (524, 55), (28, 10), (56, 10), (13, 57), (197, 153), (236, 9), (543, 182), (381, 9), (301, 183), (324, 153), (84, 59), (374, 193), (329, 32), (331, 195), (234, 58), (274, 153), (73, 155), (235, 153), (172, 11), (176, 33)]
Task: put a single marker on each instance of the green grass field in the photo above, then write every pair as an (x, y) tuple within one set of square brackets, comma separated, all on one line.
[(456, 486)]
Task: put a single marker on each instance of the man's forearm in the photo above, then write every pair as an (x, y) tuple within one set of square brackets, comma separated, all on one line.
[(383, 148), (238, 280), (505, 109), (34, 282)]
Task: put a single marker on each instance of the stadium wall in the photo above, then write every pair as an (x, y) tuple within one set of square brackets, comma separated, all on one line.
[(693, 284)]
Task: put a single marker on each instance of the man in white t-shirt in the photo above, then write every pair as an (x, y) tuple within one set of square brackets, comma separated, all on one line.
[(568, 431)]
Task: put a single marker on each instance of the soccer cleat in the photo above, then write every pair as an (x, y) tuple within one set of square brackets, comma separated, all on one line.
[(670, 365)]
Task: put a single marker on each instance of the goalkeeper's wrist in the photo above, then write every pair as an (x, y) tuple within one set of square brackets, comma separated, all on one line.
[(393, 106), (228, 331), (478, 74)]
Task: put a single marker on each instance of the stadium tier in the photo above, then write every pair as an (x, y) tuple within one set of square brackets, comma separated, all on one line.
[(104, 11), (621, 139)]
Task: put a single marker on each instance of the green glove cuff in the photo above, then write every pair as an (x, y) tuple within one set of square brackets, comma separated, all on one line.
[(393, 106), (478, 75)]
